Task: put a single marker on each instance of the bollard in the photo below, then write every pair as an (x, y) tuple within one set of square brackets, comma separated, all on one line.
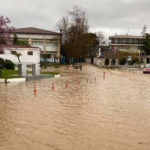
[(87, 81), (53, 87), (104, 75), (95, 78), (35, 91)]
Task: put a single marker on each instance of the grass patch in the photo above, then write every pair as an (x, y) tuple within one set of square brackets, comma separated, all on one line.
[(8, 74), (13, 77), (56, 66), (29, 72), (50, 73), (45, 65)]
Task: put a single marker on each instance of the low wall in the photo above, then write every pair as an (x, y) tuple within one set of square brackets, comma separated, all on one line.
[(13, 80), (96, 61), (2, 80), (57, 76), (99, 61), (16, 80), (88, 60)]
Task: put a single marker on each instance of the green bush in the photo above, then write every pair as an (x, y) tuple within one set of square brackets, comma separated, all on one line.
[(8, 64), (2, 63), (122, 61), (133, 61), (5, 73), (0, 73)]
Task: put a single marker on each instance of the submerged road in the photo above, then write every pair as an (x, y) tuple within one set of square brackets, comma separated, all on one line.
[(90, 113)]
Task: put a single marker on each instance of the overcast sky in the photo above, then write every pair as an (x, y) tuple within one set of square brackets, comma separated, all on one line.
[(108, 16)]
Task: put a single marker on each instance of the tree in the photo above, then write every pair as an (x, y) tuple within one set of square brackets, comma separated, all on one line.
[(2, 63), (144, 30), (147, 44), (9, 64), (5, 31), (16, 41), (18, 56), (75, 39), (101, 39)]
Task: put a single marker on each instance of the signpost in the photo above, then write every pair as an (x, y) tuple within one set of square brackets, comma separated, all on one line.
[(129, 58)]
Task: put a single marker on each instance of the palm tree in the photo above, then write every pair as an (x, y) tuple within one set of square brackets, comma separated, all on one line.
[(18, 56)]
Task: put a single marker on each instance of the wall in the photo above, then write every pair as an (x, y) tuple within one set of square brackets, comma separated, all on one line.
[(88, 60), (37, 36), (31, 59), (47, 43), (127, 48), (99, 61)]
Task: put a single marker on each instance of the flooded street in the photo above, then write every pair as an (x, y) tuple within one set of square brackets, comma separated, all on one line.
[(92, 113)]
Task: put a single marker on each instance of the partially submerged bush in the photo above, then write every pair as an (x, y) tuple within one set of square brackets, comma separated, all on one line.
[(8, 64), (0, 73), (2, 62)]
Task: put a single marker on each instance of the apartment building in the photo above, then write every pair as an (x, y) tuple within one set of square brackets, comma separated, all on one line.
[(47, 41), (128, 43)]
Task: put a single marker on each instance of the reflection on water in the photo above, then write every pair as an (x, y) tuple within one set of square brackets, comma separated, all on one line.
[(110, 114)]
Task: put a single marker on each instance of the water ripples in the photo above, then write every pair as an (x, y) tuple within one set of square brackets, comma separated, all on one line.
[(111, 113)]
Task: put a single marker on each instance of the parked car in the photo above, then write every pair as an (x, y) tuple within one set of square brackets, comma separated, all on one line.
[(146, 69)]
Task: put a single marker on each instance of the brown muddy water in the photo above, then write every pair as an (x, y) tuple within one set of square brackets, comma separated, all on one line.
[(106, 114)]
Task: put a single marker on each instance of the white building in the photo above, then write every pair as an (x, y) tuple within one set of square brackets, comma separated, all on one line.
[(29, 56), (47, 41), (127, 43)]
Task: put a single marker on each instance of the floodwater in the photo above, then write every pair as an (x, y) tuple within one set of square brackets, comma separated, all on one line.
[(92, 113)]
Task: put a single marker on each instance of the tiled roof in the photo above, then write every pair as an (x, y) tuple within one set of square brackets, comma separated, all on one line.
[(32, 30), (110, 53), (127, 36)]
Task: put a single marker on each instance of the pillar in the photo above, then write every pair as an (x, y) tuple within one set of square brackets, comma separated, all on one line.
[(24, 70), (117, 62), (44, 46), (30, 41), (58, 50), (37, 69), (110, 60), (20, 69), (144, 61), (102, 62), (33, 69)]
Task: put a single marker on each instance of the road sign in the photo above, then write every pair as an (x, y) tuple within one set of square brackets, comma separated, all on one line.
[(129, 58)]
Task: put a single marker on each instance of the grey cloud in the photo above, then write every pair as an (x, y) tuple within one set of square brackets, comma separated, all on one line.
[(108, 14)]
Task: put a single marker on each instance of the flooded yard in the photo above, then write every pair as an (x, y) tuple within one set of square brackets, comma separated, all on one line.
[(90, 113)]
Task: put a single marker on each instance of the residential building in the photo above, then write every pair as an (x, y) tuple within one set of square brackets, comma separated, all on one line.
[(127, 43), (47, 41), (29, 56)]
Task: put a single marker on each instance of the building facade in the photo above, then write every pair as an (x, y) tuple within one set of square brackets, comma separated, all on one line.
[(47, 41), (127, 43), (29, 56)]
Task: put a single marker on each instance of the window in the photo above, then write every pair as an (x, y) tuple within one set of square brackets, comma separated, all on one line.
[(13, 52), (51, 46), (30, 53), (1, 51)]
